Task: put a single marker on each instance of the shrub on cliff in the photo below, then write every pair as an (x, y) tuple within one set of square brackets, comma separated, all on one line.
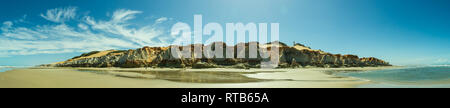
[(86, 54)]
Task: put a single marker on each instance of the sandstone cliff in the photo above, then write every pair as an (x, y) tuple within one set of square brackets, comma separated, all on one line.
[(289, 56)]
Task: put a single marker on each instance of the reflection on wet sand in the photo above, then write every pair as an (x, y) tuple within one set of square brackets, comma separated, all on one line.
[(191, 76), (178, 78)]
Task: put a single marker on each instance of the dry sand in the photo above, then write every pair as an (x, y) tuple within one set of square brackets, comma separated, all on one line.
[(132, 78)]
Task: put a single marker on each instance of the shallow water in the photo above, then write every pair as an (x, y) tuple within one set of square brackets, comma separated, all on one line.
[(3, 69), (426, 76), (195, 77), (386, 85)]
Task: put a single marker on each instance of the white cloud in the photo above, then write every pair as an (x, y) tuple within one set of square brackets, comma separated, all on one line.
[(143, 36), (122, 15), (82, 26), (23, 33), (160, 20), (87, 35), (442, 60), (8, 23), (60, 15), (23, 18)]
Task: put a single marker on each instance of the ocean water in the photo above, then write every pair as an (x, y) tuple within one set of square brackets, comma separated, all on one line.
[(5, 68), (418, 77)]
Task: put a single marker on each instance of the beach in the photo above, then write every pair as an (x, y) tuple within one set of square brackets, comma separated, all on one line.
[(180, 78)]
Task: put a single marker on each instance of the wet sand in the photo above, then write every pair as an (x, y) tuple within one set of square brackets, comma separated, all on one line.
[(179, 78)]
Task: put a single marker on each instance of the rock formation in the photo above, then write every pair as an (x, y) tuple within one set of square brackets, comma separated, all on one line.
[(289, 56)]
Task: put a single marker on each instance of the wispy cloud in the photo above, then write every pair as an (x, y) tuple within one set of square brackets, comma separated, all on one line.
[(60, 15), (117, 25), (442, 61), (161, 20), (83, 26), (123, 15), (7, 24), (86, 34)]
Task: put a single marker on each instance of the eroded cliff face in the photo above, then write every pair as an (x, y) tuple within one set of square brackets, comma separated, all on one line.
[(289, 56)]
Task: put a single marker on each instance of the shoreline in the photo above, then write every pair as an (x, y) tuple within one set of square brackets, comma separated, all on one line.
[(180, 78)]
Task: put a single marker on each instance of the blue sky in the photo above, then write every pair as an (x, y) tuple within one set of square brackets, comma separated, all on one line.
[(403, 32)]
